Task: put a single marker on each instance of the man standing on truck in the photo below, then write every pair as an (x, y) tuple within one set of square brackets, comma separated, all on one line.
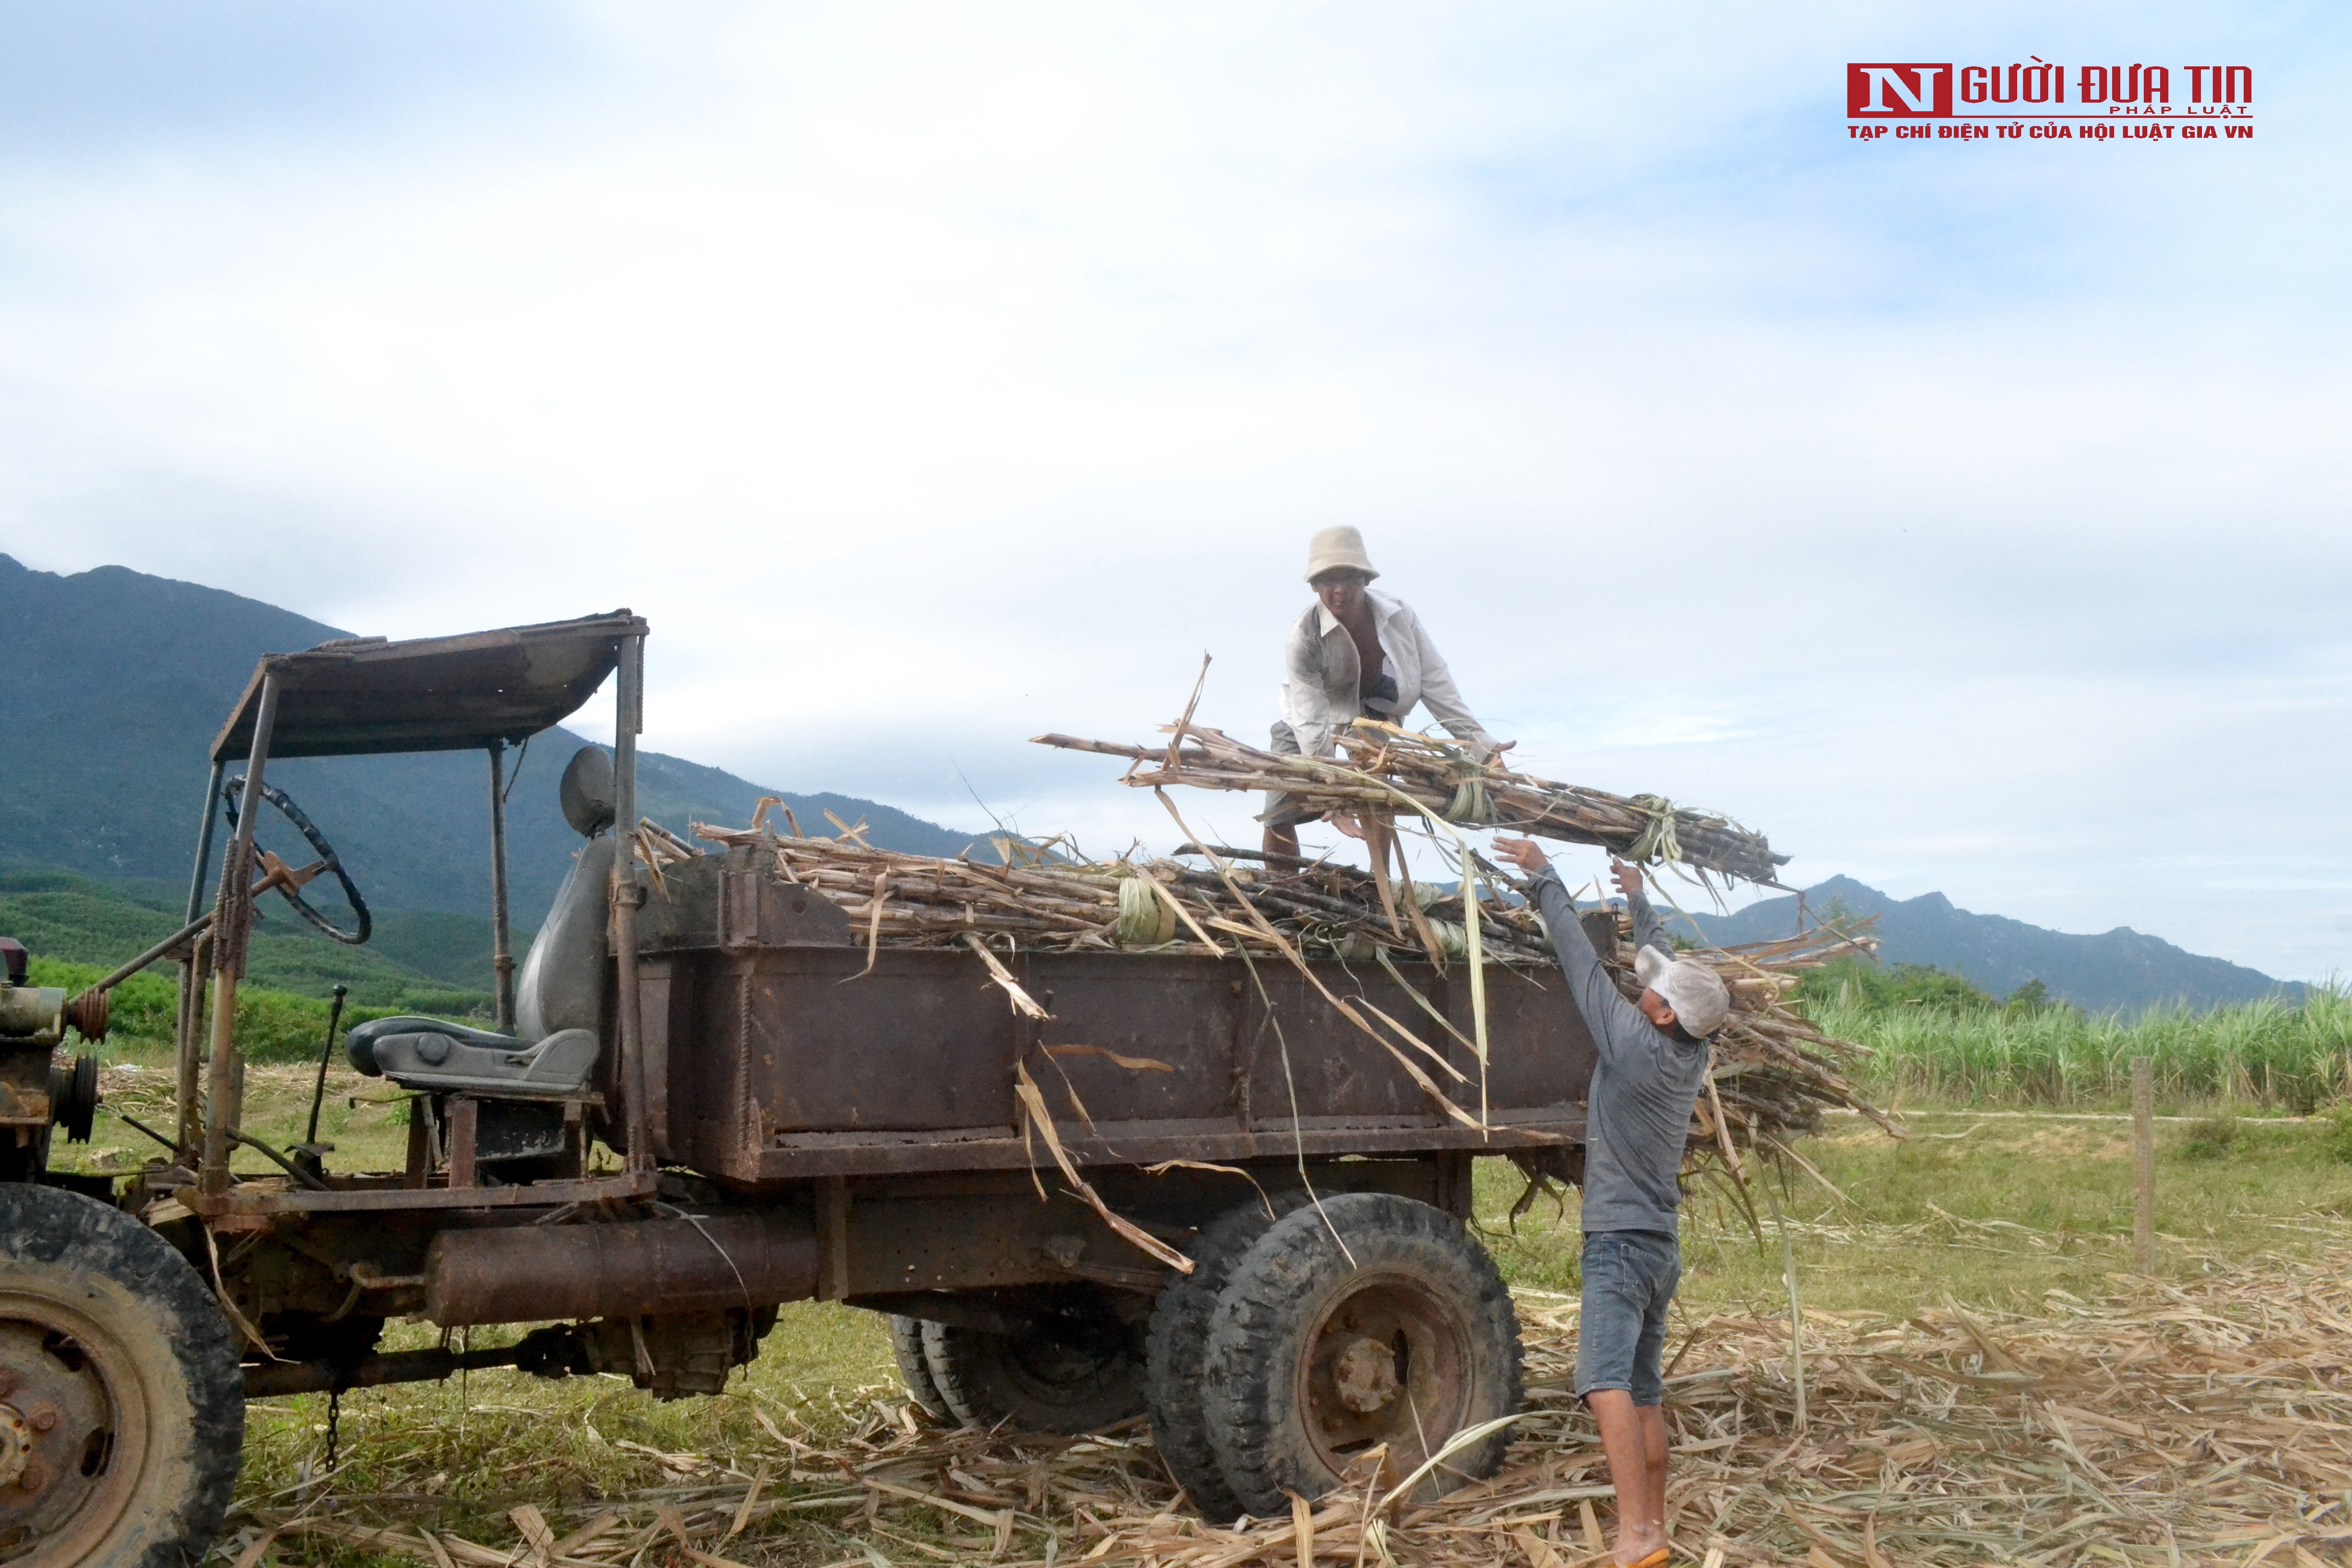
[(1654, 1061), (1355, 653)]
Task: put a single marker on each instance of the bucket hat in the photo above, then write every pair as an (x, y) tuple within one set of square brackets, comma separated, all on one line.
[(1334, 548)]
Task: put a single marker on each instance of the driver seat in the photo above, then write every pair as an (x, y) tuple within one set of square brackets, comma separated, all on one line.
[(559, 996)]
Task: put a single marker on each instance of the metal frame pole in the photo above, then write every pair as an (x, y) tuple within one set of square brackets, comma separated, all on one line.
[(502, 936), (629, 709), (184, 1037), (232, 926), (204, 846)]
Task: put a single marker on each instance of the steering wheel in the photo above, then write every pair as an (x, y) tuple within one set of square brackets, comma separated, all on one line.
[(232, 790)]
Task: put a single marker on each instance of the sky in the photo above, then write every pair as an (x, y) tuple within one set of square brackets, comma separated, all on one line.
[(1969, 516)]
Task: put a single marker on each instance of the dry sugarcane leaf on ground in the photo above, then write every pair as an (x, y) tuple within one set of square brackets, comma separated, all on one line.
[(2209, 1420)]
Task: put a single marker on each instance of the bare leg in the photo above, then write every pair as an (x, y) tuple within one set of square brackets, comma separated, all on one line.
[(1635, 1441), (1653, 1419), (1281, 841)]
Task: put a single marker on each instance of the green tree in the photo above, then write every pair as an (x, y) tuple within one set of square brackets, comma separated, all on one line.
[(2033, 997)]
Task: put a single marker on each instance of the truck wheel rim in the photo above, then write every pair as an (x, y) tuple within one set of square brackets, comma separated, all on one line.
[(73, 1428), (1388, 1359)]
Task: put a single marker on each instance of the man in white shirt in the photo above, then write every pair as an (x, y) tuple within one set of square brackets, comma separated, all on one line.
[(1356, 654)]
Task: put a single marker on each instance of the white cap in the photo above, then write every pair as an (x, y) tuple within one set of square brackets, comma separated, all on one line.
[(1695, 993)]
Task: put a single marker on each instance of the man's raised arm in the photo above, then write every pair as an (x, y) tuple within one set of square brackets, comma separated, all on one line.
[(1649, 930), (1608, 1016)]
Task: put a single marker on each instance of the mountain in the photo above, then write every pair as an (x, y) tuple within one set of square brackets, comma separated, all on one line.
[(672, 790), (117, 682), (2117, 969)]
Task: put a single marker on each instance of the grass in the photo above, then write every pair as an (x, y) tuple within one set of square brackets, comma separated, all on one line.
[(1934, 1035), (361, 1117), (1996, 1212)]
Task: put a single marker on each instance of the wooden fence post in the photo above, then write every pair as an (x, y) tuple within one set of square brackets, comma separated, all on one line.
[(2144, 1164)]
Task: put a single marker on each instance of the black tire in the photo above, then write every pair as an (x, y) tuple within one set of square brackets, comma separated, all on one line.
[(1079, 1370), (106, 1330), (915, 1368), (1177, 1339), (1316, 1352)]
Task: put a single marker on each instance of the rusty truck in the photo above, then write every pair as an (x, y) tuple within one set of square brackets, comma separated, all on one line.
[(695, 1105)]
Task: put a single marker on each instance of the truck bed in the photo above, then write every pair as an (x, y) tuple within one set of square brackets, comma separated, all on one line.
[(773, 1065)]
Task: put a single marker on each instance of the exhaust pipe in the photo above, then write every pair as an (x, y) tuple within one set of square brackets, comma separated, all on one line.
[(634, 1269)]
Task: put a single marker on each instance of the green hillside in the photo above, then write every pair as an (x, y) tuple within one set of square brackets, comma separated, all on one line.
[(422, 963)]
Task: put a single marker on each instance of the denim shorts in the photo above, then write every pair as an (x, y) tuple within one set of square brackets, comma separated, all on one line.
[(1629, 1281)]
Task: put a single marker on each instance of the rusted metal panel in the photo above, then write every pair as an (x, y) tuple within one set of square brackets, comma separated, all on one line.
[(924, 1042), (788, 1062), (1539, 1051), (465, 1122), (755, 911), (666, 995), (267, 1198), (977, 1241), (363, 696), (1306, 1054), (1002, 1149), (1178, 1015)]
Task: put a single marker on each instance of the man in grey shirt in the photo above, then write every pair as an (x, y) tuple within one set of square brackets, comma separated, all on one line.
[(1654, 1063)]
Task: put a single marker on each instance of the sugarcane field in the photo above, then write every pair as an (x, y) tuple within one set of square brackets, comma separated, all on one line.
[(1117, 786)]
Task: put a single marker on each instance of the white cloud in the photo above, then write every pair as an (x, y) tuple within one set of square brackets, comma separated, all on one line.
[(1967, 517)]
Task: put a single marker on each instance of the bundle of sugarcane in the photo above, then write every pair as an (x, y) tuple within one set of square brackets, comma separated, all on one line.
[(1387, 771), (1775, 1072)]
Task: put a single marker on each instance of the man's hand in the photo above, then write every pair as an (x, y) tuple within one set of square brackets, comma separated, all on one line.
[(1629, 878), (1346, 823), (1523, 853)]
